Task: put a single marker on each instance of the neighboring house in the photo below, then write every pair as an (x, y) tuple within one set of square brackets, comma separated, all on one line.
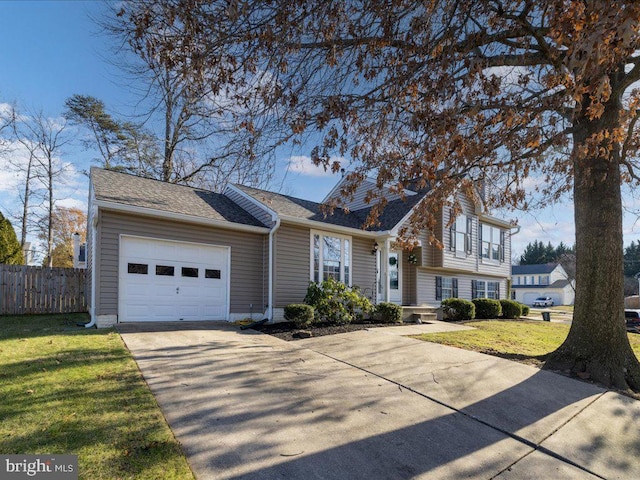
[(29, 254), (529, 282), (79, 252), (159, 251)]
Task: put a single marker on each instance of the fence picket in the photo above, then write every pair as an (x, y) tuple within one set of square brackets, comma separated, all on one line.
[(32, 290)]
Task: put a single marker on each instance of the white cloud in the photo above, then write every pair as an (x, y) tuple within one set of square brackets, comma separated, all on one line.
[(72, 203), (303, 165)]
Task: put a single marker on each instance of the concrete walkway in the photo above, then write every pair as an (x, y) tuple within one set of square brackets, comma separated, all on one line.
[(373, 404)]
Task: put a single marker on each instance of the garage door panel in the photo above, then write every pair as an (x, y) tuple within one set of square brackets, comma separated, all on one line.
[(160, 296)]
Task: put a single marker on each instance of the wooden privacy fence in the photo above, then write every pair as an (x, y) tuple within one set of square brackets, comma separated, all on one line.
[(31, 290)]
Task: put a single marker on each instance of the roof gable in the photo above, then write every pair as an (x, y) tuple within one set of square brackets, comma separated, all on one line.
[(297, 208)]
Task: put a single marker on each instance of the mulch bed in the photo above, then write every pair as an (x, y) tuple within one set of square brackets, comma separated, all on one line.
[(286, 331)]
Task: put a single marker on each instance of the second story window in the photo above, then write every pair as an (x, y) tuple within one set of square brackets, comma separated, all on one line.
[(460, 235), (492, 241)]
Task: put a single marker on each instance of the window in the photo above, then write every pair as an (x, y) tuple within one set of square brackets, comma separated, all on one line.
[(460, 235), (516, 280), (446, 287), (484, 289), (478, 289), (138, 268), (211, 273), (164, 270), (394, 280), (331, 258), (492, 243), (190, 272), (493, 290), (543, 279)]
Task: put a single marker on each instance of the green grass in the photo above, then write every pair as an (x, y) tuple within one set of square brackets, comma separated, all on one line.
[(525, 341), (65, 389)]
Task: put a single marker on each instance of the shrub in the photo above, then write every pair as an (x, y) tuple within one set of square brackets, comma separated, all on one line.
[(458, 309), (487, 308), (336, 303), (525, 309), (299, 314), (511, 309), (386, 312)]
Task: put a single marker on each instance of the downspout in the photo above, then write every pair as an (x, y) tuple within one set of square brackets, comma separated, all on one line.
[(92, 310), (272, 233)]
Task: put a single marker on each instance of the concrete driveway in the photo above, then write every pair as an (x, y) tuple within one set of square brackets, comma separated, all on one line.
[(376, 405)]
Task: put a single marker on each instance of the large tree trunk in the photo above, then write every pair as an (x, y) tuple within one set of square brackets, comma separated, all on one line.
[(597, 346)]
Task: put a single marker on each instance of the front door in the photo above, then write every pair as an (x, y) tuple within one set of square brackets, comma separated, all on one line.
[(394, 268)]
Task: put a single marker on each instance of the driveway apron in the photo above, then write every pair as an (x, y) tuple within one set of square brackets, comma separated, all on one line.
[(375, 405)]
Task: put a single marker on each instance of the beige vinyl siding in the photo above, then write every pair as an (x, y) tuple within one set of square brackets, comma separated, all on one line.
[(258, 212), (363, 266), (426, 285), (293, 263), (358, 201), (247, 256), (409, 283), (432, 255)]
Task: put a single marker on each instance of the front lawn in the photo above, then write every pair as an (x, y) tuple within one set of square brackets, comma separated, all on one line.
[(526, 341), (67, 389)]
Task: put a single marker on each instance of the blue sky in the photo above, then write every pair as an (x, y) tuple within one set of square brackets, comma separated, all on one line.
[(52, 50)]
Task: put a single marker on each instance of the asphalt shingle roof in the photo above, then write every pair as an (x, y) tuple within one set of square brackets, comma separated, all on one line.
[(556, 284), (537, 269), (308, 210), (126, 189)]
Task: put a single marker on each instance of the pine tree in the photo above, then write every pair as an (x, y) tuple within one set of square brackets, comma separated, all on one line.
[(10, 251)]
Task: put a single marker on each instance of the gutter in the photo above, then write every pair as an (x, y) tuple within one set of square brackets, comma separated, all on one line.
[(272, 232), (151, 212)]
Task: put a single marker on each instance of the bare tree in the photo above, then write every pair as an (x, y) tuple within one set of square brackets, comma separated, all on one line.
[(46, 137), (208, 134), (28, 168), (446, 93)]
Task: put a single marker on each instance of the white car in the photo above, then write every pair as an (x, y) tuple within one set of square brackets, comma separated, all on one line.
[(543, 302)]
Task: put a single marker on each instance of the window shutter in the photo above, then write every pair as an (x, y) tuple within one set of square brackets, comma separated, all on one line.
[(479, 239), (468, 237), (502, 238), (454, 287), (498, 290), (474, 289), (438, 288), (452, 233)]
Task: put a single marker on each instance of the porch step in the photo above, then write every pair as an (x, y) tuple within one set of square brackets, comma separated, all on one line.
[(424, 313), (423, 317)]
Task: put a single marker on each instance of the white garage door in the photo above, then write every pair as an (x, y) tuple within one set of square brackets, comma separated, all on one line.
[(167, 281)]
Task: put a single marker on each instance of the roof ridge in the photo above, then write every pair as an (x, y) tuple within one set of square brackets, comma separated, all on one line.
[(110, 171)]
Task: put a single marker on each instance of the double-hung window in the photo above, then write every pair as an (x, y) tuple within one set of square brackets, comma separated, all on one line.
[(446, 287), (492, 241), (460, 235), (493, 290), (478, 289), (330, 257), (485, 289)]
